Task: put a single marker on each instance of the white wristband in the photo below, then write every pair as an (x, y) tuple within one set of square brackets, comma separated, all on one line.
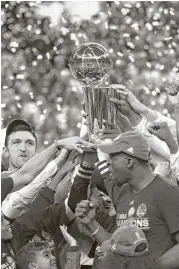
[(95, 232)]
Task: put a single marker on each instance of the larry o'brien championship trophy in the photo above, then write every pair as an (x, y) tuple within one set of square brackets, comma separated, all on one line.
[(91, 65)]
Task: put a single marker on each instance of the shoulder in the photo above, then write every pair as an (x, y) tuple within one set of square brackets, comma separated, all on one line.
[(164, 191), (163, 185)]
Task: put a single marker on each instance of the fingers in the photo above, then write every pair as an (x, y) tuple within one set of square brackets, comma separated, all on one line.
[(109, 136), (156, 126), (152, 131), (63, 229), (84, 114), (118, 86), (123, 91), (110, 124), (86, 143), (107, 131), (122, 119), (82, 208), (83, 204), (117, 102), (78, 149)]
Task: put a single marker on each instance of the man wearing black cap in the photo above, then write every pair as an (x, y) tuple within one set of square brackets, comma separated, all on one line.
[(20, 143), (20, 147), (140, 198)]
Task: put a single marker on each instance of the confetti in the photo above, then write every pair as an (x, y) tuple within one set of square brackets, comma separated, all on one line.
[(39, 37)]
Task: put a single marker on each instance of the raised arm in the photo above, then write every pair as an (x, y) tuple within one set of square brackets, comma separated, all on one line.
[(136, 105), (19, 200), (86, 213), (26, 226), (35, 165)]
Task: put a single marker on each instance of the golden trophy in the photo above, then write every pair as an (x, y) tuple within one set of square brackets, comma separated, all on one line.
[(91, 65)]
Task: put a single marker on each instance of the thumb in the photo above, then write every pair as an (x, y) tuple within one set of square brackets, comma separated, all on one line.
[(78, 149), (152, 131)]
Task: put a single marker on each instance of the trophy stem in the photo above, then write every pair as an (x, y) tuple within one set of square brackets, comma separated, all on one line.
[(98, 106)]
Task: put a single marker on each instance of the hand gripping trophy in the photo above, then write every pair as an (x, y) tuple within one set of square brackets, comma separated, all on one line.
[(91, 66)]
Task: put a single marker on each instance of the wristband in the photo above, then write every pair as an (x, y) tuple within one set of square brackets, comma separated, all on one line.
[(59, 147), (95, 232)]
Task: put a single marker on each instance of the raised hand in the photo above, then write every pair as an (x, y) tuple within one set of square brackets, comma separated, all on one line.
[(75, 143), (123, 122), (85, 211), (135, 104), (162, 131), (109, 133), (69, 239)]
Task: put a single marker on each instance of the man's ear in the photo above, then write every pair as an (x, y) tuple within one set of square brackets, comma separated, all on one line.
[(6, 152), (130, 162), (32, 265)]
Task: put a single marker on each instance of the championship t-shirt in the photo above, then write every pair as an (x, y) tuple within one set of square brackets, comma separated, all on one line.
[(155, 210)]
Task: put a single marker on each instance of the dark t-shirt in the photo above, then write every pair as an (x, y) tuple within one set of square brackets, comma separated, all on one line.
[(155, 210), (6, 187)]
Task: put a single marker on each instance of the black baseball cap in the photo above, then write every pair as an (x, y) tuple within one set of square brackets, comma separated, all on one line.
[(18, 125)]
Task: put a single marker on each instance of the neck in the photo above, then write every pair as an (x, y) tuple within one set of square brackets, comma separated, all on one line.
[(141, 179), (12, 168)]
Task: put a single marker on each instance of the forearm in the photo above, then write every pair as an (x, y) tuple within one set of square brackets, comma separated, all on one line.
[(172, 145), (149, 114), (62, 157), (32, 216), (134, 118), (177, 121), (56, 180), (19, 200), (170, 259), (35, 165), (98, 232), (79, 189)]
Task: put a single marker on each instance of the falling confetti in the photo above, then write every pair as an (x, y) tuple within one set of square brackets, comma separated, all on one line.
[(39, 37)]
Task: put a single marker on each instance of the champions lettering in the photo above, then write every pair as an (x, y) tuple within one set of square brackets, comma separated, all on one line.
[(142, 223)]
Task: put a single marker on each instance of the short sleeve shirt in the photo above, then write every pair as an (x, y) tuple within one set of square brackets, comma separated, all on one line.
[(155, 210), (6, 187)]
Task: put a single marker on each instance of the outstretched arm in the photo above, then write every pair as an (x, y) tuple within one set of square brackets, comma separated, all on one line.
[(19, 200), (35, 165), (136, 105), (86, 213)]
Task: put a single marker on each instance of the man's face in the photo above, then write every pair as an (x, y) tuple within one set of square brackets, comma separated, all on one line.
[(118, 167), (6, 232), (20, 148), (45, 260)]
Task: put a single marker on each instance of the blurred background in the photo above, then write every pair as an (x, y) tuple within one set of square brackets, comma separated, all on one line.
[(38, 38)]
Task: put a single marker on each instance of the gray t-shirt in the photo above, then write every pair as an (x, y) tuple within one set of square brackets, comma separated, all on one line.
[(155, 210)]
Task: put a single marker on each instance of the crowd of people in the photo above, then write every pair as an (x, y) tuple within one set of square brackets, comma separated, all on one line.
[(102, 201), (111, 203)]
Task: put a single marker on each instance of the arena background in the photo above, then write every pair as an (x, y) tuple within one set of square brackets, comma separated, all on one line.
[(37, 41)]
